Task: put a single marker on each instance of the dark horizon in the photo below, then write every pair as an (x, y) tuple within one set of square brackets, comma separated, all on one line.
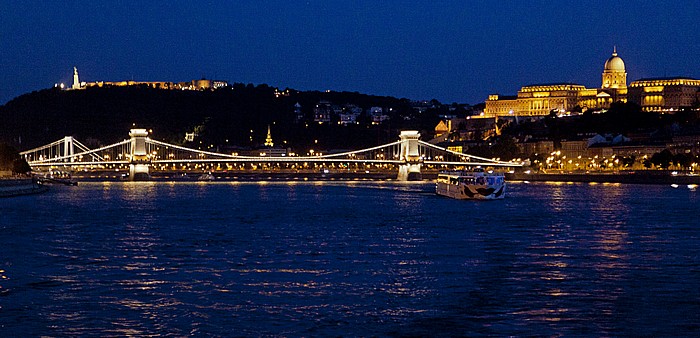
[(453, 52)]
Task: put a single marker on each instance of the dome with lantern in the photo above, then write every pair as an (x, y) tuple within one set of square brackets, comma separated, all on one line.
[(614, 63)]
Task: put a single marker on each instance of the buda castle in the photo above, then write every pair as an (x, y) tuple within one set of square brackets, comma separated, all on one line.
[(664, 95)]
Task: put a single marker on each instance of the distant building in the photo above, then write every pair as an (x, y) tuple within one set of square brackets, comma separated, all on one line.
[(201, 84), (543, 147), (322, 112), (421, 106), (298, 113), (653, 94), (659, 94), (349, 114), (665, 94), (376, 114), (465, 129), (442, 128), (541, 100)]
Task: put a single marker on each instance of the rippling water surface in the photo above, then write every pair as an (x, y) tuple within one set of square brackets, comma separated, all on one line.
[(351, 259)]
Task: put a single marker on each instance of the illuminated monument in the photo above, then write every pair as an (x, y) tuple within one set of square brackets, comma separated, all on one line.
[(76, 81), (656, 94)]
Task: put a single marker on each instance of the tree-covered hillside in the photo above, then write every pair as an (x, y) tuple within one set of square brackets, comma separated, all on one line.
[(224, 117)]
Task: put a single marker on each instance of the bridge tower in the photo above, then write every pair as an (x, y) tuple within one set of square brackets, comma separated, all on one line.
[(68, 149), (138, 168), (409, 154)]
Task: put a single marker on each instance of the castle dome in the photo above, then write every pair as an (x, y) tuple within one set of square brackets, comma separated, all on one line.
[(614, 63)]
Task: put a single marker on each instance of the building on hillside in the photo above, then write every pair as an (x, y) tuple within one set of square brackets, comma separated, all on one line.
[(665, 94), (322, 112), (442, 128), (377, 115), (540, 100), (686, 144), (298, 113), (541, 147), (465, 129), (201, 84), (349, 114), (574, 148), (639, 151)]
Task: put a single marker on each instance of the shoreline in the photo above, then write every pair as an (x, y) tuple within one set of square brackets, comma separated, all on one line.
[(625, 177), (11, 187), (631, 177)]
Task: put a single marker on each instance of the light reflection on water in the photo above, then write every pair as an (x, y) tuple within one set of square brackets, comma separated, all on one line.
[(356, 258)]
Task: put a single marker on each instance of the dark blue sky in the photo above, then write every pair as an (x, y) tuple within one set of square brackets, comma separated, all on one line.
[(454, 51)]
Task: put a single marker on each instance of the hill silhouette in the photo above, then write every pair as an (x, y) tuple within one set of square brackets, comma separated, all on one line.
[(235, 116)]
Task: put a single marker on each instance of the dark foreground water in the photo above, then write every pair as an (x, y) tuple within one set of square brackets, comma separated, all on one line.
[(349, 259)]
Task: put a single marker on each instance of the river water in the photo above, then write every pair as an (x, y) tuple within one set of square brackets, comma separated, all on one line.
[(349, 259)]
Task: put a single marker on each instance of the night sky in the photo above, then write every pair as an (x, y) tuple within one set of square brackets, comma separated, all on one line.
[(453, 51)]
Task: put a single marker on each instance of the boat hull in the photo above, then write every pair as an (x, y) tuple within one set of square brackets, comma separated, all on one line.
[(471, 191)]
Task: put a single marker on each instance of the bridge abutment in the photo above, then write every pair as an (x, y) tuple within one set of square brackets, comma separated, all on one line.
[(410, 155), (140, 163)]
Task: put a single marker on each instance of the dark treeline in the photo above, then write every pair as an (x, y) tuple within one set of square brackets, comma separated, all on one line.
[(622, 118), (100, 116)]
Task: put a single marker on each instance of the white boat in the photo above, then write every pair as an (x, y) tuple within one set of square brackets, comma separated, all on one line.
[(476, 184), (206, 177)]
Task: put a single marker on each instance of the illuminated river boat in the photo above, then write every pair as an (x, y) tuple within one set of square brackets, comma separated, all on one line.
[(476, 185)]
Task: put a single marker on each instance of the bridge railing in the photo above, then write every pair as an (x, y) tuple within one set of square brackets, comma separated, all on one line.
[(162, 152), (113, 153), (437, 155)]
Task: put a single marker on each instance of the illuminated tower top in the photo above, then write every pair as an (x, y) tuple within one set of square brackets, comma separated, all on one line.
[(268, 139), (614, 75), (76, 81)]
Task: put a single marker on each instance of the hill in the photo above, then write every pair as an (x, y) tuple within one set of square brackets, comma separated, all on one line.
[(235, 116)]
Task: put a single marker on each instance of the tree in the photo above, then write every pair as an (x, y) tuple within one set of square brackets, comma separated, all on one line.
[(20, 166), (682, 160), (628, 161), (662, 159), (537, 160), (11, 160), (506, 149)]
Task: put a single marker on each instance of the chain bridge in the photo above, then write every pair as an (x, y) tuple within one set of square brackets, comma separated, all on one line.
[(141, 155)]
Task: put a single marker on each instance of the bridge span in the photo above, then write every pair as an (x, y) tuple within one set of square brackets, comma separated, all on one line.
[(142, 155)]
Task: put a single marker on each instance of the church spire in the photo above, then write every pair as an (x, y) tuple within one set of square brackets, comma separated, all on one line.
[(268, 139)]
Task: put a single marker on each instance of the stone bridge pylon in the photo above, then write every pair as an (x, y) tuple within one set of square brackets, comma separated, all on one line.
[(139, 163), (410, 155)]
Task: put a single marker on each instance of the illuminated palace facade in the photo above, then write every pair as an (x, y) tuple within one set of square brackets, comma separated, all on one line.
[(662, 94)]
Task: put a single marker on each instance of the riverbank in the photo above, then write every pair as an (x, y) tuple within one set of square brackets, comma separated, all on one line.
[(628, 177), (20, 186), (258, 175)]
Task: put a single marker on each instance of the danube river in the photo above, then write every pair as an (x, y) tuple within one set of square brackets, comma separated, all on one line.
[(349, 259)]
